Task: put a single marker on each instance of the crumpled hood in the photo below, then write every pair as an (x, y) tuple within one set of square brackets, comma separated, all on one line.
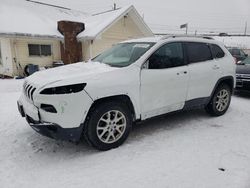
[(81, 72)]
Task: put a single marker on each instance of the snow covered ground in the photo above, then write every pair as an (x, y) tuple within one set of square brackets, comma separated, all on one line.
[(183, 150)]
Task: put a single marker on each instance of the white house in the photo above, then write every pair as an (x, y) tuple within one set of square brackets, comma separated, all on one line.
[(29, 33)]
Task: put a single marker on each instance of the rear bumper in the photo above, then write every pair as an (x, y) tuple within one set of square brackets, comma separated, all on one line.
[(50, 130)]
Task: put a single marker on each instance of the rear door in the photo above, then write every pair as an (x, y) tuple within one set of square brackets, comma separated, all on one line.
[(204, 71)]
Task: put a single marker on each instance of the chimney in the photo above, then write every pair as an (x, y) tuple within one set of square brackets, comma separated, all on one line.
[(71, 50)]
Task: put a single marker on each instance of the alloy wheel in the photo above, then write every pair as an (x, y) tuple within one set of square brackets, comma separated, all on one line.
[(222, 100), (111, 126)]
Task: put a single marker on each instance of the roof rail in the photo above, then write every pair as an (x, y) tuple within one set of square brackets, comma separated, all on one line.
[(194, 36)]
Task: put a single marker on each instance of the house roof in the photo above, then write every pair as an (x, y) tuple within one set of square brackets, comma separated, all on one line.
[(24, 18), (96, 24)]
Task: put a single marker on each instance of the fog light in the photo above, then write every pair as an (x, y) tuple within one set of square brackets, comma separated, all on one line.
[(48, 108)]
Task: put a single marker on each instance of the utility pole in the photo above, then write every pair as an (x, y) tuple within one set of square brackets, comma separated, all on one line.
[(245, 33)]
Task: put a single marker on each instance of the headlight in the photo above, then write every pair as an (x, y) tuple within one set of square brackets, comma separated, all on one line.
[(63, 89)]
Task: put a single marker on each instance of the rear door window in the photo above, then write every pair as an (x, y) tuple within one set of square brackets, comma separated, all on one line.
[(198, 52)]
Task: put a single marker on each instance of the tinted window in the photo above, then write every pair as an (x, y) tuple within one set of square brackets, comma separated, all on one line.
[(242, 53), (169, 55), (217, 51), (235, 52), (246, 61), (198, 52)]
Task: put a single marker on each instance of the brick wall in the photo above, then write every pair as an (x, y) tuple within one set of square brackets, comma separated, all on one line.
[(71, 49)]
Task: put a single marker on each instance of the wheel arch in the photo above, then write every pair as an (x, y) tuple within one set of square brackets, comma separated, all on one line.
[(229, 80), (210, 107), (124, 99)]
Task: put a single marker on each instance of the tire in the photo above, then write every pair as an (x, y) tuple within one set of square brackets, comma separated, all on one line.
[(26, 70), (220, 101), (108, 125)]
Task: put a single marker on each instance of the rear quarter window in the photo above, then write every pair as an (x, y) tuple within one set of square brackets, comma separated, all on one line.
[(198, 52), (217, 51)]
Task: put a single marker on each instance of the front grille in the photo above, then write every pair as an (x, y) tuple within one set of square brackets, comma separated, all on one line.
[(28, 90), (243, 76)]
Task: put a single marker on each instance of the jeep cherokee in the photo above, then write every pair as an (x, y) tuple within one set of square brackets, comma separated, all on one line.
[(133, 81)]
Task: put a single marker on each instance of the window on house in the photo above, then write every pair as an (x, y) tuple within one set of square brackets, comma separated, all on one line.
[(39, 50)]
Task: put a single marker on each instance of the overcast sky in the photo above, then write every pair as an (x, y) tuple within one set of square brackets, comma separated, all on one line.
[(165, 16)]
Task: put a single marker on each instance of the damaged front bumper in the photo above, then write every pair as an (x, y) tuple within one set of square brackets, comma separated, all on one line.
[(51, 130)]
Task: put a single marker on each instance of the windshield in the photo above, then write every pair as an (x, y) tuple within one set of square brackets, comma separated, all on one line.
[(246, 61), (123, 54)]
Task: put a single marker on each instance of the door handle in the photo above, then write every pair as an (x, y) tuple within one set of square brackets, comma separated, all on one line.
[(215, 67), (182, 72)]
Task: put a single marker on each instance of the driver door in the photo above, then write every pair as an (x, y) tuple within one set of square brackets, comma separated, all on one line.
[(164, 81)]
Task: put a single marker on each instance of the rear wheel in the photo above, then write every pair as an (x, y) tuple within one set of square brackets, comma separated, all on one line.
[(108, 125), (220, 101)]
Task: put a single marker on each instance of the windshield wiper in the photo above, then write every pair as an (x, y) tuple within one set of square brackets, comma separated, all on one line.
[(117, 65)]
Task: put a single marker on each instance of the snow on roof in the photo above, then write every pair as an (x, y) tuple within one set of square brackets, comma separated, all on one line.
[(25, 18), (235, 41), (28, 18), (96, 24)]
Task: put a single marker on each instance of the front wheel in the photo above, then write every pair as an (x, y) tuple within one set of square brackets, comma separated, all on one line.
[(220, 101), (108, 125)]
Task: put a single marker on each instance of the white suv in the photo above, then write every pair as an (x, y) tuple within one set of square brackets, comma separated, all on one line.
[(133, 81)]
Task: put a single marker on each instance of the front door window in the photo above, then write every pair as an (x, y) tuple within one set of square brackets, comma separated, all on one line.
[(168, 56)]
